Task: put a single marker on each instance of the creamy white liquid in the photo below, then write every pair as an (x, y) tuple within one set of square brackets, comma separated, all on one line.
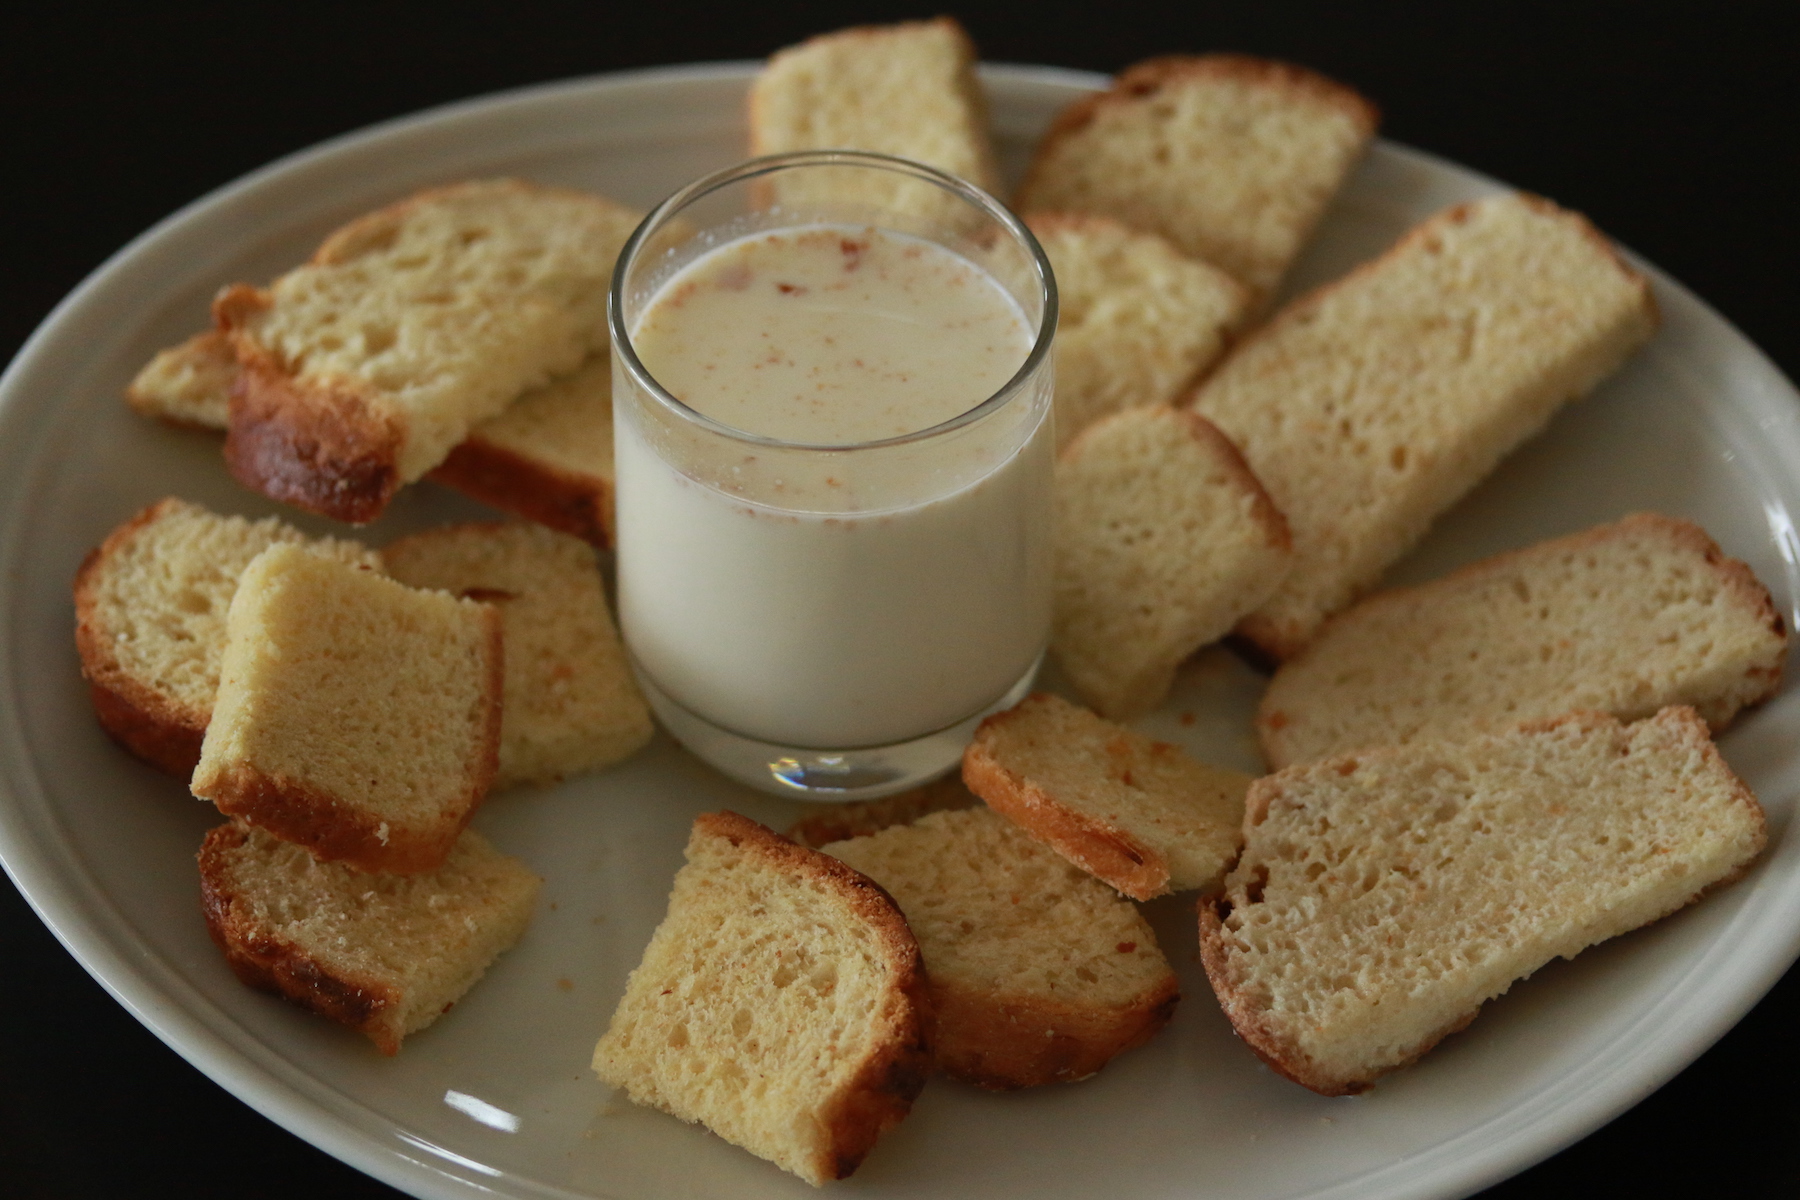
[(833, 600)]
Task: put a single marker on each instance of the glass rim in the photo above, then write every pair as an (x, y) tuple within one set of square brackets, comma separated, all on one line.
[(751, 168)]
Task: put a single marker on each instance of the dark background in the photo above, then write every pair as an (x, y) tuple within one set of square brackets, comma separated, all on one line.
[(1676, 128)]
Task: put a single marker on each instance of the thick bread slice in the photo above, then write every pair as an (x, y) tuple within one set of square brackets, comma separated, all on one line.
[(150, 605), (547, 458), (1039, 973), (355, 716), (571, 704), (1164, 539), (906, 89), (1137, 318), (1382, 898), (189, 384), (1232, 158), (1371, 405), (1138, 814), (1626, 618), (827, 823), (384, 954), (781, 1003), (364, 367)]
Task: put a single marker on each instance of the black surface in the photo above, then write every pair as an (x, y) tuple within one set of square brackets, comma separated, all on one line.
[(1677, 130)]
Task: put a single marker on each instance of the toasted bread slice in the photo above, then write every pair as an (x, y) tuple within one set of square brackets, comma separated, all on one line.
[(189, 384), (1164, 539), (384, 954), (1232, 158), (1139, 814), (363, 368), (150, 605), (571, 703), (1384, 897), (780, 1003), (1626, 618), (1039, 973), (1371, 405), (1137, 318), (355, 716), (827, 823)]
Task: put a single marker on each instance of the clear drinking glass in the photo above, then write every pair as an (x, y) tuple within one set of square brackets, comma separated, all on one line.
[(845, 644)]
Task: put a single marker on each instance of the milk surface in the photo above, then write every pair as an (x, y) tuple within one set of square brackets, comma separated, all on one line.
[(833, 599)]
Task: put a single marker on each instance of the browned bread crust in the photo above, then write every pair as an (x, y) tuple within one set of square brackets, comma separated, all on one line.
[(1024, 1042), (270, 963), (830, 823), (580, 505)]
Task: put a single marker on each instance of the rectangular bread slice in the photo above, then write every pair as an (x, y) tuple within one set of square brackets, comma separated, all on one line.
[(1384, 897), (1232, 158), (409, 326), (1137, 319), (781, 1003), (1039, 973), (355, 716), (1164, 539), (1373, 404), (571, 702), (1139, 814), (150, 608), (1625, 618), (384, 954)]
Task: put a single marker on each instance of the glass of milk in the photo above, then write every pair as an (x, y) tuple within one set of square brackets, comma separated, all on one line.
[(832, 414)]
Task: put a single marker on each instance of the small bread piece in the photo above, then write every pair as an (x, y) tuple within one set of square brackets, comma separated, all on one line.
[(1625, 618), (355, 716), (780, 1003), (571, 702), (384, 954), (1138, 814), (1383, 897), (1371, 405), (547, 458), (364, 367), (1039, 973), (1232, 158), (906, 89), (150, 605), (1137, 318), (827, 823), (1164, 539), (189, 384)]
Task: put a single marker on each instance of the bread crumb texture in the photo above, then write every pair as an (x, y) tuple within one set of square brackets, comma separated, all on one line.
[(571, 704), (1139, 814), (1625, 618), (189, 384), (1039, 973), (384, 954), (780, 1003), (1369, 406), (355, 715), (1383, 897)]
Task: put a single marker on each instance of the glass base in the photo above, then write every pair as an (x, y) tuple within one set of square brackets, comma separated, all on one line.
[(826, 776)]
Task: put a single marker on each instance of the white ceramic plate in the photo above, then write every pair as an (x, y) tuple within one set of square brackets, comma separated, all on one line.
[(497, 1098)]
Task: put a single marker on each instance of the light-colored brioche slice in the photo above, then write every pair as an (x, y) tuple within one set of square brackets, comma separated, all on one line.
[(547, 458), (384, 954), (906, 89), (827, 823), (781, 1003), (1382, 898), (150, 605), (1137, 318), (1164, 539), (1626, 618), (571, 703), (1371, 405), (1232, 158), (1139, 814), (355, 716), (189, 384), (409, 326), (1039, 973)]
